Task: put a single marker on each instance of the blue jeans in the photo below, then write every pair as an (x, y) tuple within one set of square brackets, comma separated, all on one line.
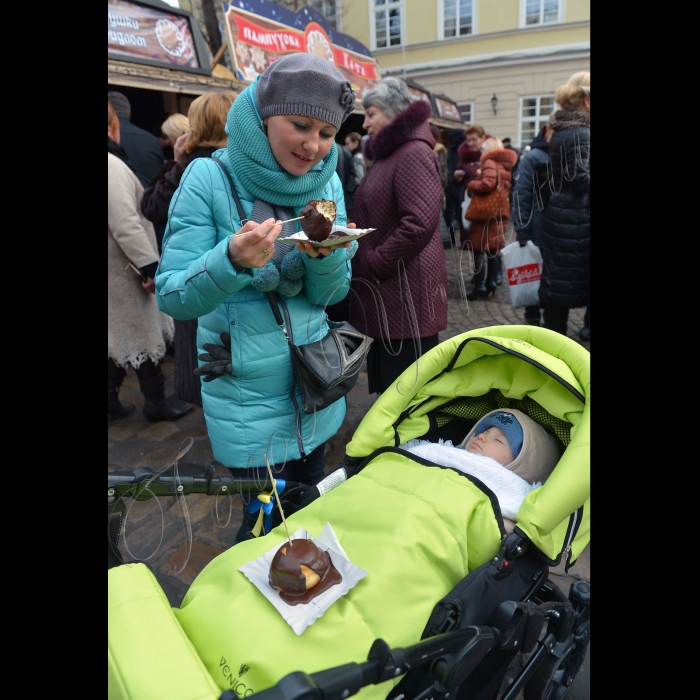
[(307, 471)]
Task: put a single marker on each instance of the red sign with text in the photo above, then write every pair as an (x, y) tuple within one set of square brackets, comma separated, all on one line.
[(256, 42)]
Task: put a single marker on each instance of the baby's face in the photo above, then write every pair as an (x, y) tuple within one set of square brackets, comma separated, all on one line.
[(492, 443)]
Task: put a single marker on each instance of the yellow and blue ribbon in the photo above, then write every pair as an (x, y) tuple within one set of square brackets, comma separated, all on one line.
[(263, 505)]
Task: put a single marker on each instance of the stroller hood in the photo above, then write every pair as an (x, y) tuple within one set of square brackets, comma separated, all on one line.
[(536, 370)]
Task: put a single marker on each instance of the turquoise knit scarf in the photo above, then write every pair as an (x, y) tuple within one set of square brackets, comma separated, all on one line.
[(255, 165)]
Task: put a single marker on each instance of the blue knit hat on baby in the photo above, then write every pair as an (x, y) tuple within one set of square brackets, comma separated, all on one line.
[(510, 426)]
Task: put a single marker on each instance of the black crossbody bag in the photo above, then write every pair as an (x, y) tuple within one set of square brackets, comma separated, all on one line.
[(326, 369)]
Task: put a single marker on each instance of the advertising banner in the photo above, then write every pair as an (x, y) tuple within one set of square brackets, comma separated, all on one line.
[(258, 38), (139, 31)]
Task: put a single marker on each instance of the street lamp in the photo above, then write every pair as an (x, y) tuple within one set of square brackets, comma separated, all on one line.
[(494, 102)]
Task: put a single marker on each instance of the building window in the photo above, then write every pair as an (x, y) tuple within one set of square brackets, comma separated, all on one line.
[(330, 9), (466, 110), (534, 112), (457, 18), (540, 12), (387, 23)]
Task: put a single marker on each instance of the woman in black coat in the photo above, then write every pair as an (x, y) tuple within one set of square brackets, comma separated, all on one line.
[(566, 248), (207, 116)]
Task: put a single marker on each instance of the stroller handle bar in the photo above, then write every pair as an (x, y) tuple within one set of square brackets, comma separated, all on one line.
[(143, 484)]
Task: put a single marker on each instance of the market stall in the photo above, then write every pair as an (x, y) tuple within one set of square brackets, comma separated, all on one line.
[(158, 58)]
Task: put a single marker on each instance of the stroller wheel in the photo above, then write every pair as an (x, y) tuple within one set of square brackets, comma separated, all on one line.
[(552, 680)]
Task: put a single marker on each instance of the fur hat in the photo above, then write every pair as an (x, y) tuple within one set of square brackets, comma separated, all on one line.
[(305, 84), (539, 450)]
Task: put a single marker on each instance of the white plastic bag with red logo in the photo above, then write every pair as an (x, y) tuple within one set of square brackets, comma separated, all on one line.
[(524, 267)]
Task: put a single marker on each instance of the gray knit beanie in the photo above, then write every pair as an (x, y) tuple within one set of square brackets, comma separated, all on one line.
[(306, 84)]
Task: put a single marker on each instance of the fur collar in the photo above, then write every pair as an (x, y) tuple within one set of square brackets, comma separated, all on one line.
[(571, 119), (505, 156), (402, 128)]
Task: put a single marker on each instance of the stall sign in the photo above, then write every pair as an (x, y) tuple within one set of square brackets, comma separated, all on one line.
[(144, 33), (446, 108), (256, 39), (417, 94)]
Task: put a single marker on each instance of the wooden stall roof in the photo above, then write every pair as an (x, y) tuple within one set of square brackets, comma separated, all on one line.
[(168, 80), (447, 123)]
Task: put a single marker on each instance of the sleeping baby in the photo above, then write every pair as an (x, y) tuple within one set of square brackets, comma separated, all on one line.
[(506, 450)]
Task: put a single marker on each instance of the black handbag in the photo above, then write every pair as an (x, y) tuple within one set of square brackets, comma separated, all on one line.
[(327, 369)]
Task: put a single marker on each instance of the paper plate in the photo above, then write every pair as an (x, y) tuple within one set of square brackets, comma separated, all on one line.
[(300, 616), (346, 234)]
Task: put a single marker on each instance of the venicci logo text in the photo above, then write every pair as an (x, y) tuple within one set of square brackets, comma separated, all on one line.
[(241, 689)]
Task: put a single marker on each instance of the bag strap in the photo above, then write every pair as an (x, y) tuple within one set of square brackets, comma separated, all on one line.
[(239, 206), (287, 330)]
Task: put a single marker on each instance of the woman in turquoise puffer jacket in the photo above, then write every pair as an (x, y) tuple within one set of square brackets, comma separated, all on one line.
[(281, 153)]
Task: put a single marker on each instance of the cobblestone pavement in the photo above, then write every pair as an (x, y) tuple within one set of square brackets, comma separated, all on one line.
[(156, 531)]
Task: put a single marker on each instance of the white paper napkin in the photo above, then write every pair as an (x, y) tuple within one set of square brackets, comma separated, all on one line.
[(300, 616), (351, 235)]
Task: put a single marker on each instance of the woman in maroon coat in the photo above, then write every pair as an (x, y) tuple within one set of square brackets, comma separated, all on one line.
[(487, 237), (399, 273)]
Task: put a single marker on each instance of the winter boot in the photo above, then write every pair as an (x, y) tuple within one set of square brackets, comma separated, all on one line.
[(115, 408), (156, 406), (499, 271), (479, 291)]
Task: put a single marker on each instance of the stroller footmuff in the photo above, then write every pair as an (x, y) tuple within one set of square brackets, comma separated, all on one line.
[(450, 600)]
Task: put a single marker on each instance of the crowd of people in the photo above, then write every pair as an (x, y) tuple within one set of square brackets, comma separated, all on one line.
[(195, 219)]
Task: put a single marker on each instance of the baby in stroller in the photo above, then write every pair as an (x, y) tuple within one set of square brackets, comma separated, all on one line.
[(506, 450)]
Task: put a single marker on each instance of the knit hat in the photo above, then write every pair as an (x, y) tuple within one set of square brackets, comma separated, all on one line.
[(305, 84), (508, 423)]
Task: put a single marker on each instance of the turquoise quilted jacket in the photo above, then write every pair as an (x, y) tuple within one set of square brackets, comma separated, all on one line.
[(248, 413)]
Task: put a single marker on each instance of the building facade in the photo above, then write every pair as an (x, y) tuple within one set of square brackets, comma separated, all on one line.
[(500, 60)]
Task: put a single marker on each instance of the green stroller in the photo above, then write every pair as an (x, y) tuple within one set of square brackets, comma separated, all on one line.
[(450, 603)]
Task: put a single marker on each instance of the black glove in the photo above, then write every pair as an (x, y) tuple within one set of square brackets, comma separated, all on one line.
[(217, 358)]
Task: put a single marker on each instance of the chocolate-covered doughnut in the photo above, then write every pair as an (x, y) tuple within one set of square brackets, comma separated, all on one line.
[(319, 215), (301, 571)]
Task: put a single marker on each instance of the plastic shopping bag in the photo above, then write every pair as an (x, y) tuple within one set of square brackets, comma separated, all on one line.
[(524, 268), (465, 205)]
